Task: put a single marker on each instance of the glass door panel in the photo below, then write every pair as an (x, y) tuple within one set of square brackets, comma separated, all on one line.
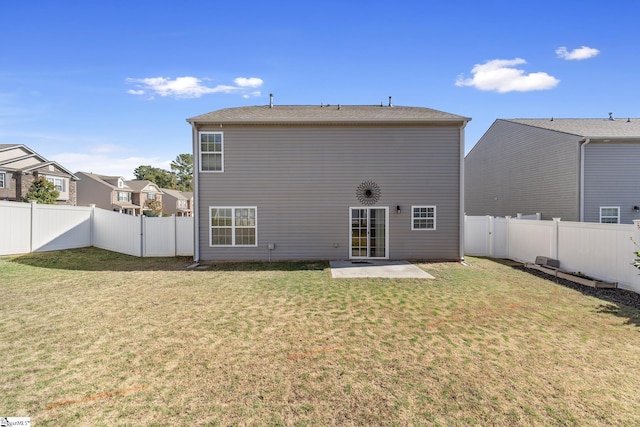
[(368, 233)]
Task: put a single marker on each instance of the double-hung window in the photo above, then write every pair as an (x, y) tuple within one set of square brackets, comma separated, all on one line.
[(58, 183), (609, 215), (124, 196), (211, 152), (3, 180), (233, 226), (423, 217)]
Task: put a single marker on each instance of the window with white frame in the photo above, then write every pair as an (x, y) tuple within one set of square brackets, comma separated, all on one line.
[(423, 217), (211, 152), (3, 180), (151, 196), (233, 226), (610, 215), (59, 183)]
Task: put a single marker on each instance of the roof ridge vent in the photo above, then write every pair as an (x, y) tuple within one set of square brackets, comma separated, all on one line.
[(628, 119)]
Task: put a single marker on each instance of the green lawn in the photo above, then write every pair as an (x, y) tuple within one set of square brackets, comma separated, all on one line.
[(91, 337)]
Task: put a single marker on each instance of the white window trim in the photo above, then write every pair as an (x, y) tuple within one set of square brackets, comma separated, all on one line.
[(200, 152), (233, 227), (617, 217), (413, 228), (5, 182), (65, 182)]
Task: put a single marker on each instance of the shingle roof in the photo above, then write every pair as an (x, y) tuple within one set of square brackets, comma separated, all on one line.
[(174, 193), (588, 128), (326, 113), (138, 185)]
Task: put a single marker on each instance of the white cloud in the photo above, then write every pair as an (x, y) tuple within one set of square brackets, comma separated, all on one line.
[(251, 82), (501, 75), (188, 86), (578, 54)]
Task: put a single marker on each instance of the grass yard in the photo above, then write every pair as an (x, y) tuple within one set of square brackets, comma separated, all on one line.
[(91, 337)]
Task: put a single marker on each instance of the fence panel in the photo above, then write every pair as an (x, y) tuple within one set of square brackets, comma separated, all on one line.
[(15, 228), (56, 227), (604, 251), (477, 240), (500, 235), (117, 232), (159, 236), (528, 239), (184, 236)]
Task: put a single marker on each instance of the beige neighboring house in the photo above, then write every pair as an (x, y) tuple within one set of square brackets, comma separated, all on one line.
[(20, 166), (144, 191), (106, 192), (176, 202)]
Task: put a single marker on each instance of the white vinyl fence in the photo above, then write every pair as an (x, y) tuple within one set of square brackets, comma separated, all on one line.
[(602, 251), (30, 227)]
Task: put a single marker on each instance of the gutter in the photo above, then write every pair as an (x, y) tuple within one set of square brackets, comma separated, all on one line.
[(582, 143)]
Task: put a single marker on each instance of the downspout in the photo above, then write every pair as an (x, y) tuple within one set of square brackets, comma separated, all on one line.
[(581, 192), (194, 208), (461, 220)]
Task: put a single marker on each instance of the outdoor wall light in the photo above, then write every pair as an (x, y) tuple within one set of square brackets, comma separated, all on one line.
[(636, 208), (398, 209)]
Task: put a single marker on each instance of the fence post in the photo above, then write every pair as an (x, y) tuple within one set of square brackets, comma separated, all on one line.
[(555, 239), (92, 220), (507, 232), (490, 227), (33, 204)]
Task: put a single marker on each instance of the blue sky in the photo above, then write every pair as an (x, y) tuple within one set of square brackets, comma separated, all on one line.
[(105, 87)]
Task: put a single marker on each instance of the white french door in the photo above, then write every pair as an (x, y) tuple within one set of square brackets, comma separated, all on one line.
[(369, 233)]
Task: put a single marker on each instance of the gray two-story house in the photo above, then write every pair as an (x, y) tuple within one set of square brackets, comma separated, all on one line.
[(330, 182), (574, 169)]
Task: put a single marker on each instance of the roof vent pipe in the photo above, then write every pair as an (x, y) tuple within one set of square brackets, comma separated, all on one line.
[(611, 116), (390, 103), (270, 100)]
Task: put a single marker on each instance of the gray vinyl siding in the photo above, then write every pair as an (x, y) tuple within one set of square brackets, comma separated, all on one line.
[(90, 191), (516, 168), (303, 181), (612, 178)]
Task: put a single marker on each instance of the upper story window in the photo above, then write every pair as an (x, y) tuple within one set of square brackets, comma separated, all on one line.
[(3, 180), (124, 196), (182, 203), (59, 183), (423, 217), (609, 215), (151, 196), (120, 183), (211, 152)]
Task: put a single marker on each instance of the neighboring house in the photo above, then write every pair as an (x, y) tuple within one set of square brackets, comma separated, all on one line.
[(106, 192), (20, 167), (176, 202), (574, 169), (144, 191), (328, 182)]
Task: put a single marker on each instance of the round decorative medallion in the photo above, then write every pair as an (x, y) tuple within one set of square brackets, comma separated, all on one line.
[(368, 193)]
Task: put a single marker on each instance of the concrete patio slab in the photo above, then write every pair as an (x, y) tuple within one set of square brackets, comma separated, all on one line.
[(366, 269)]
